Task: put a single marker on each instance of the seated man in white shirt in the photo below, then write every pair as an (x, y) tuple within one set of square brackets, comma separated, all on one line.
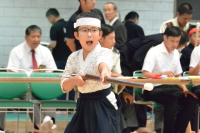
[(30, 55), (184, 15), (164, 60), (194, 70)]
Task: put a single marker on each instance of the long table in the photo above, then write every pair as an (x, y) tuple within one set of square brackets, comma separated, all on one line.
[(57, 80), (28, 80)]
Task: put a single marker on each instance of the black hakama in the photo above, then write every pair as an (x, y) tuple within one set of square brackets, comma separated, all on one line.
[(95, 114)]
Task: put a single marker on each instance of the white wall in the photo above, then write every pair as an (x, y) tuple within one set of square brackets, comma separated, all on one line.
[(16, 15)]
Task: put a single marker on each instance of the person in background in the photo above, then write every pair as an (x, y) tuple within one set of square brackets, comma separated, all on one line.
[(110, 13), (60, 50), (187, 51), (184, 15), (164, 60), (108, 41), (58, 33), (85, 6), (128, 115), (133, 29), (191, 55), (30, 55)]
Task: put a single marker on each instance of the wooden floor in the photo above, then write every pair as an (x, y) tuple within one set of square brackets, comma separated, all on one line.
[(11, 126)]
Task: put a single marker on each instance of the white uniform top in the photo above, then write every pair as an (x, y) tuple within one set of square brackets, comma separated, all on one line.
[(21, 57), (159, 60), (175, 23), (116, 63), (195, 57), (76, 65)]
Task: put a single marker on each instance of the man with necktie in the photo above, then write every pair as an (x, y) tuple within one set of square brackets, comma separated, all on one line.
[(30, 55)]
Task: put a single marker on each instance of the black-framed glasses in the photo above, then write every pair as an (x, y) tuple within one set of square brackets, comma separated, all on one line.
[(92, 30)]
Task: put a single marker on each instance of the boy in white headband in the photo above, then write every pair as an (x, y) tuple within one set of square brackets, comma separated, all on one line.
[(97, 107)]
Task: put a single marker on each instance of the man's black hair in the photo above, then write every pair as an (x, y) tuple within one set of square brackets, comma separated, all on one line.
[(184, 38), (173, 31), (185, 8), (79, 0), (52, 11), (87, 15), (114, 5), (107, 29), (131, 16), (32, 28), (191, 27)]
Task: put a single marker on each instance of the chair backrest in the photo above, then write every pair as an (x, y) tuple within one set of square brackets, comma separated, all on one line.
[(138, 91), (46, 91), (12, 90), (185, 74)]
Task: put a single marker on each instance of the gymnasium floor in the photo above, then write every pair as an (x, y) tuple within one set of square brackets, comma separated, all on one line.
[(11, 123)]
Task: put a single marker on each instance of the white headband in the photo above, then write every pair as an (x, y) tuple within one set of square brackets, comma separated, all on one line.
[(88, 21)]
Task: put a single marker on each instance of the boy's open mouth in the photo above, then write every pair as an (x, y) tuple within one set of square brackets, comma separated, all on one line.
[(89, 42)]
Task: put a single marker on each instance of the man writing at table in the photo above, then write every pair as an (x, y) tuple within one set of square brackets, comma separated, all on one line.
[(30, 55), (164, 60)]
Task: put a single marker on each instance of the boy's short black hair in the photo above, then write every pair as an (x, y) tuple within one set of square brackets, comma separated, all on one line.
[(107, 29), (52, 11), (185, 8), (87, 15), (184, 38), (191, 27), (173, 31), (131, 16), (32, 28)]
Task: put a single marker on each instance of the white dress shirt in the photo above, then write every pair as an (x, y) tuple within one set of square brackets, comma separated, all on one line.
[(113, 21), (175, 23), (21, 57), (158, 60), (195, 57)]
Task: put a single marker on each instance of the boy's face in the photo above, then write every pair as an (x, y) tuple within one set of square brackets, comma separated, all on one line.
[(184, 19), (108, 41), (171, 43), (88, 37), (193, 39)]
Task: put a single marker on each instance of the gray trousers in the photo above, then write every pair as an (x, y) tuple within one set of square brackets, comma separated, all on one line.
[(36, 112), (2, 118)]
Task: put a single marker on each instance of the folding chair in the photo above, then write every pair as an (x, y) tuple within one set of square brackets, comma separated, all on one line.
[(9, 91), (138, 92), (189, 87), (48, 91)]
